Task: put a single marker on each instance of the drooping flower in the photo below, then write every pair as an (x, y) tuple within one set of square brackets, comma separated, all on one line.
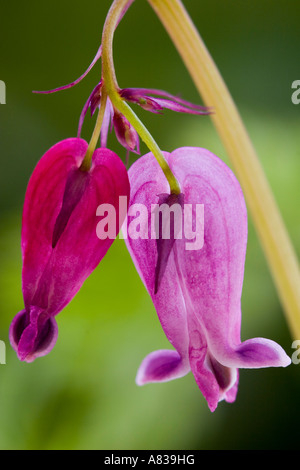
[(196, 290), (60, 247)]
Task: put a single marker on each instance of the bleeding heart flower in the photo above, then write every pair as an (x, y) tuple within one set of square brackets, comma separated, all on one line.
[(197, 292), (60, 246)]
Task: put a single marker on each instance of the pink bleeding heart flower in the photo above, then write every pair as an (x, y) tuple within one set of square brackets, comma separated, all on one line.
[(60, 247), (196, 290)]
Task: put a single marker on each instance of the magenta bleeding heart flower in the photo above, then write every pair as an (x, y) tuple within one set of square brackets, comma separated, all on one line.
[(60, 247), (197, 291)]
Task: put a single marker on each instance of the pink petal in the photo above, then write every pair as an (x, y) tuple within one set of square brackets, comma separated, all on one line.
[(60, 245), (146, 183), (213, 276), (161, 366), (29, 340), (96, 101), (198, 298)]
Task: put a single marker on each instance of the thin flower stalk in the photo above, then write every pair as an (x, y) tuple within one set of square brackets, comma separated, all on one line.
[(111, 85)]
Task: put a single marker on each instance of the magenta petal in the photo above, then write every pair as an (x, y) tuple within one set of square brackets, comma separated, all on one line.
[(161, 366), (107, 118), (126, 134), (31, 340), (133, 92), (213, 379), (76, 185), (166, 232), (198, 301), (256, 353), (143, 97), (147, 182), (62, 270), (180, 108), (219, 265), (43, 202), (60, 245), (93, 98)]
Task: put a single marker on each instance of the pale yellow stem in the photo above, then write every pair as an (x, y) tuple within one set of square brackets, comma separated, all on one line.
[(273, 235)]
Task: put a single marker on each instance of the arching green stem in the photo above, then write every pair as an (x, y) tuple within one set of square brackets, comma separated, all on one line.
[(87, 161), (112, 88)]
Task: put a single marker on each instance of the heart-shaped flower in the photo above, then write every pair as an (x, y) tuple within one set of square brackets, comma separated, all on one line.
[(196, 283), (60, 246)]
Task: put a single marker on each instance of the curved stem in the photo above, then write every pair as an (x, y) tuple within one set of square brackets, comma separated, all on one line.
[(273, 235), (147, 138), (108, 69), (110, 81), (87, 161)]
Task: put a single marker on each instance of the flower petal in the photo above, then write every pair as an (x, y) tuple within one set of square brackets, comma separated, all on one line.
[(125, 132), (107, 118), (76, 185), (198, 297), (256, 353), (143, 97), (32, 340), (43, 202), (167, 231), (60, 244), (94, 97), (213, 379), (53, 274), (214, 275), (146, 183), (180, 108), (161, 366)]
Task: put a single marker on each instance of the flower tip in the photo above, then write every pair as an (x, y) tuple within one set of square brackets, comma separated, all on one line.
[(125, 132), (31, 338), (139, 380), (161, 366)]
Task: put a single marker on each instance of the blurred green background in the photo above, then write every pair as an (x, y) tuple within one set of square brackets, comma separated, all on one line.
[(83, 395)]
